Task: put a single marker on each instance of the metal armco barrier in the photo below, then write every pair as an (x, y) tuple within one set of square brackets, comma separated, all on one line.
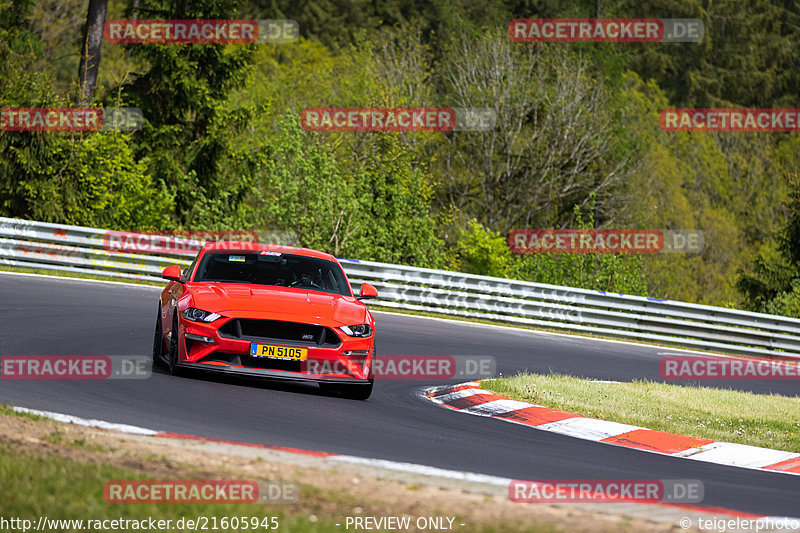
[(78, 249)]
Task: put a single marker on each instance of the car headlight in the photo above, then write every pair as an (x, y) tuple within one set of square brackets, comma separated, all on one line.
[(361, 330), (198, 315)]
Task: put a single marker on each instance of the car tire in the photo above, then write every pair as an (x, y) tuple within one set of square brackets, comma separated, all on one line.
[(172, 356), (158, 343), (351, 392)]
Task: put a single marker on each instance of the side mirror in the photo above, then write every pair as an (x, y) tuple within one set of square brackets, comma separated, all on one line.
[(173, 273), (367, 292)]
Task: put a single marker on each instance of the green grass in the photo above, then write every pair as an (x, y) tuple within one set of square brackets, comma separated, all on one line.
[(9, 411), (64, 489), (770, 421), (56, 437), (59, 437)]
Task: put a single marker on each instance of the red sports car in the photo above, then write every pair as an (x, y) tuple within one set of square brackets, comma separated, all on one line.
[(267, 311)]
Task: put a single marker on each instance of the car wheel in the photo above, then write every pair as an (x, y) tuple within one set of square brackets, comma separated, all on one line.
[(158, 342), (349, 391), (172, 357)]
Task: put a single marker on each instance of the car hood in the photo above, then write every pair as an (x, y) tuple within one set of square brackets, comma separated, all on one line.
[(259, 301)]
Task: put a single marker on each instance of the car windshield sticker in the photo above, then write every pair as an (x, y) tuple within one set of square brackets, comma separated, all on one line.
[(236, 258)]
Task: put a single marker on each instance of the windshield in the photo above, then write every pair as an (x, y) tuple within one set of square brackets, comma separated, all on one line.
[(273, 268)]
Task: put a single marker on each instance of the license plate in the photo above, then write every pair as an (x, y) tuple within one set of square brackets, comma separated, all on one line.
[(279, 352)]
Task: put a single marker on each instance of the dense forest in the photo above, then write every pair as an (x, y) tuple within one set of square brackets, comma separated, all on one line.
[(576, 144)]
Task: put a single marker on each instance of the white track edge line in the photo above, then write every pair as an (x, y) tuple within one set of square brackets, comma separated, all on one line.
[(349, 459), (88, 422), (91, 280)]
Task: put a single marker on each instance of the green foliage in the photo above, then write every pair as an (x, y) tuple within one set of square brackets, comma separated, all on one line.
[(790, 239), (378, 210), (730, 186), (620, 273), (186, 137), (106, 188), (577, 144), (747, 57), (786, 303), (772, 285), (90, 179), (394, 195), (479, 250), (300, 188)]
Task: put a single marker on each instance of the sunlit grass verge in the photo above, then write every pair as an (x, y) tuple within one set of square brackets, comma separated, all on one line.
[(8, 410), (60, 488), (65, 489), (770, 421)]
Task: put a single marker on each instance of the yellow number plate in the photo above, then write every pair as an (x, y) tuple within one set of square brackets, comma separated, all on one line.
[(279, 352)]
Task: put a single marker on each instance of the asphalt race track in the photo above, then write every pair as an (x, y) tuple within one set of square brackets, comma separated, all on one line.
[(43, 316)]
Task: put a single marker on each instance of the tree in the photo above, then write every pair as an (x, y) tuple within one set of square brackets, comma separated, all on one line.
[(188, 131), (553, 142), (379, 210), (747, 58), (90, 49)]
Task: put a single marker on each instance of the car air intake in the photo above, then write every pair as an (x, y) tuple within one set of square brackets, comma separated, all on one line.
[(263, 363)]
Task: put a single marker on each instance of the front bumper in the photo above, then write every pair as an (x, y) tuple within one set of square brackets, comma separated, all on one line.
[(348, 362), (271, 374)]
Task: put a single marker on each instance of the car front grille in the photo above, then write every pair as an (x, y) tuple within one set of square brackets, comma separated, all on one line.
[(277, 331)]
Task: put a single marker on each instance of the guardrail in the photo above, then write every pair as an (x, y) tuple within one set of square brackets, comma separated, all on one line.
[(78, 249)]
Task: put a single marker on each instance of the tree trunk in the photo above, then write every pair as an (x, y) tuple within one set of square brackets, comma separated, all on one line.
[(90, 49)]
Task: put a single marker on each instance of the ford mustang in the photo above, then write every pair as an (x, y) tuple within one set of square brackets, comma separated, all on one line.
[(261, 310)]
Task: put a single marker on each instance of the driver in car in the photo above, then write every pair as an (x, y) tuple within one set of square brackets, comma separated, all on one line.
[(306, 278)]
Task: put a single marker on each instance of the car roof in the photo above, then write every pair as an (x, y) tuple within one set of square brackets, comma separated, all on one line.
[(238, 246)]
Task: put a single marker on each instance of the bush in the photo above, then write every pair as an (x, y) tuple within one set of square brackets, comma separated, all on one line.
[(479, 250)]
